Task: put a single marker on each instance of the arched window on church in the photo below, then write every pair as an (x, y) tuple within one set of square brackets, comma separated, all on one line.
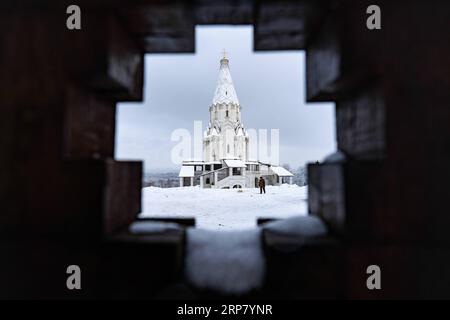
[(226, 113), (228, 148)]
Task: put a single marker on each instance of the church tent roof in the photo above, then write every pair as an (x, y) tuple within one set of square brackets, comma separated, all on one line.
[(225, 92), (186, 171), (281, 172)]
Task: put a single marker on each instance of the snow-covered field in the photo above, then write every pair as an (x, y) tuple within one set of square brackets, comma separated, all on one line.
[(225, 209)]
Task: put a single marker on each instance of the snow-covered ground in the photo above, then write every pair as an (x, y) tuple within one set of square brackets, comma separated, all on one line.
[(225, 209)]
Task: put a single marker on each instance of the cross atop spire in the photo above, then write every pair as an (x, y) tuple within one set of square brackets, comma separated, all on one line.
[(224, 54)]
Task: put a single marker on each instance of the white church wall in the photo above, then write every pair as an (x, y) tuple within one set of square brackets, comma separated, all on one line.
[(226, 138)]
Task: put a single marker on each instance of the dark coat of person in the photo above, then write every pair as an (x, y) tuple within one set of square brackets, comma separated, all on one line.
[(262, 182)]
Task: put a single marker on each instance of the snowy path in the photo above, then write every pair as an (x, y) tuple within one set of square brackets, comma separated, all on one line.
[(225, 209)]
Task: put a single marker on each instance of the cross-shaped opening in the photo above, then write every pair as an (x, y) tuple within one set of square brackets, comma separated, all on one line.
[(269, 89)]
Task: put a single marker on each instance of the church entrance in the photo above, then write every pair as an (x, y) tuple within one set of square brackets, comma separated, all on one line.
[(186, 181)]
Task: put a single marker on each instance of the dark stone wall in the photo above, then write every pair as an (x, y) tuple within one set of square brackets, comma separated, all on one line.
[(63, 198)]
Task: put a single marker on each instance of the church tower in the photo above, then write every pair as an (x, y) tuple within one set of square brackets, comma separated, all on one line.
[(225, 137)]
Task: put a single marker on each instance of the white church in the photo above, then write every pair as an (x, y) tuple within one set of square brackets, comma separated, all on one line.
[(226, 162)]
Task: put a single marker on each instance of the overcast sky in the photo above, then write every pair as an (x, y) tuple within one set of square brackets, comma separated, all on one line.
[(179, 89)]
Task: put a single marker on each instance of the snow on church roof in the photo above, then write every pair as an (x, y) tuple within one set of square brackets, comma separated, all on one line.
[(186, 171), (225, 92), (231, 163), (281, 172)]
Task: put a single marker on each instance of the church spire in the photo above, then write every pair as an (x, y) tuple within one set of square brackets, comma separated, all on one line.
[(225, 92)]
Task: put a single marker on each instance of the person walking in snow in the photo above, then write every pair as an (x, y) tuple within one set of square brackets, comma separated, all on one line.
[(262, 185)]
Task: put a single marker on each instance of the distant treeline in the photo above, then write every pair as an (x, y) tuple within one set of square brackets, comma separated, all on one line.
[(300, 175), (161, 180), (171, 180)]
